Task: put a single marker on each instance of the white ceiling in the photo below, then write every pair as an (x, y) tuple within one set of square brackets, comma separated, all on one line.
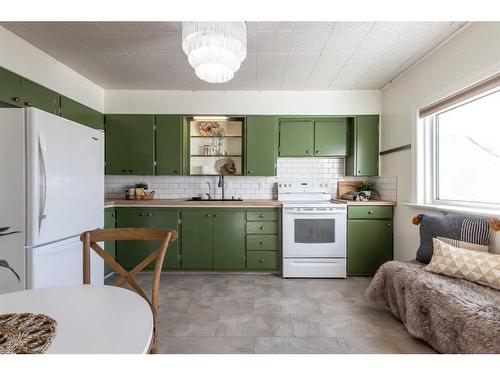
[(281, 55)]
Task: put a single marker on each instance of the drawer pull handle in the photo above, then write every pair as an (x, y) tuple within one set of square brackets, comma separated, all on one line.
[(370, 212), (262, 216), (142, 214), (28, 104), (150, 214), (208, 215), (261, 260), (261, 242), (389, 224), (261, 227), (216, 215), (15, 98)]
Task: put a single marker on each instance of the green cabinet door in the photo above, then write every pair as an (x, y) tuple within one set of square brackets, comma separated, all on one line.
[(131, 253), (10, 88), (109, 246), (362, 159), (229, 240), (168, 145), (330, 137), (261, 145), (296, 138), (369, 245), (80, 113), (367, 145), (165, 218), (35, 95), (197, 240), (117, 143), (142, 135)]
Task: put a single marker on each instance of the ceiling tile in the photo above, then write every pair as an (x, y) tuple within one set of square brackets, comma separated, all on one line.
[(362, 59), (341, 85), (314, 25), (343, 41), (309, 41), (250, 63), (302, 60), (140, 26), (369, 85), (292, 85), (324, 74), (273, 75), (99, 43), (271, 61), (269, 85), (330, 60), (379, 74), (395, 58), (316, 85), (270, 26), (139, 42), (151, 62), (251, 42), (274, 42), (348, 73), (296, 75), (379, 40), (177, 61)]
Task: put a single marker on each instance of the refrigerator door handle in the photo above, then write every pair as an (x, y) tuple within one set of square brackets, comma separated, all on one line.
[(43, 180)]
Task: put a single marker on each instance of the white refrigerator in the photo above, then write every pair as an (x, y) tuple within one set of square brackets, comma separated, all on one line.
[(51, 190)]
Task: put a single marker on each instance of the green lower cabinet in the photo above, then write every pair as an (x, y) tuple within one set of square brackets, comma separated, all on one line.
[(369, 245), (109, 246), (197, 240), (131, 253), (229, 240), (262, 260)]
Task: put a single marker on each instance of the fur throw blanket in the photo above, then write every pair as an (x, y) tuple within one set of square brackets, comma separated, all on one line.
[(451, 315)]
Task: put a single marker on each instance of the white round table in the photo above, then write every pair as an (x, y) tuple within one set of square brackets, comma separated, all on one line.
[(90, 318)]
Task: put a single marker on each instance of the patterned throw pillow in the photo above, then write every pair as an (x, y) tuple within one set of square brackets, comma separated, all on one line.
[(463, 244), (459, 228), (479, 267)]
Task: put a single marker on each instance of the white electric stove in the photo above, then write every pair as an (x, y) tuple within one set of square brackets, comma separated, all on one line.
[(314, 230)]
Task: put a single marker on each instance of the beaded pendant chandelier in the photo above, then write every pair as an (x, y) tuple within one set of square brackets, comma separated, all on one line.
[(215, 50)]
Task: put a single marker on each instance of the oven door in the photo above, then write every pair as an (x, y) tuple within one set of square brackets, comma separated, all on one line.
[(314, 233)]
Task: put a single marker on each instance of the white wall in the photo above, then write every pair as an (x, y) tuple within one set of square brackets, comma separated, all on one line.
[(243, 102), (470, 56), (28, 61)]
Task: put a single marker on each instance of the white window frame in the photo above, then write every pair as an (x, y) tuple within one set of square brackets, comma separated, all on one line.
[(427, 173)]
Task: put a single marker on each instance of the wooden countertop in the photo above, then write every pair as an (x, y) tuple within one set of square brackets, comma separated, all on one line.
[(248, 203), (374, 202)]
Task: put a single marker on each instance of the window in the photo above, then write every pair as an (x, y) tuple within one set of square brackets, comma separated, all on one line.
[(461, 152)]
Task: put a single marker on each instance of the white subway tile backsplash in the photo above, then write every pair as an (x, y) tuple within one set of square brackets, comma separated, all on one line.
[(330, 170)]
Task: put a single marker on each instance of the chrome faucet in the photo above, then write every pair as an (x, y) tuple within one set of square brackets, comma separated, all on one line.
[(221, 184), (209, 194)]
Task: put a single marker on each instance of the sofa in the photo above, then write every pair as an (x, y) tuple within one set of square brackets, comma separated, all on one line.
[(452, 315)]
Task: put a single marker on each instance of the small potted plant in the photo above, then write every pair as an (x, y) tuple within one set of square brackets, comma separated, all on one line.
[(367, 188)]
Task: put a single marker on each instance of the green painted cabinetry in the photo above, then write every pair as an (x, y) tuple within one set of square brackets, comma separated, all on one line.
[(169, 145), (10, 88), (369, 238), (363, 146), (263, 239), (313, 137), (296, 138), (109, 246), (35, 95), (261, 145), (129, 144), (131, 253), (213, 239), (330, 137), (80, 113)]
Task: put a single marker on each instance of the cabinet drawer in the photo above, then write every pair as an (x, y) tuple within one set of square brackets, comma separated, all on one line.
[(262, 242), (262, 260), (370, 212), (264, 227), (268, 215)]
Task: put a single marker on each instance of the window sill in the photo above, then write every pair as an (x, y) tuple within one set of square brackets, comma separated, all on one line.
[(484, 212)]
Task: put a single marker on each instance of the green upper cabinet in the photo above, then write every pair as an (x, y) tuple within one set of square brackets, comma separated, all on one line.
[(10, 88), (330, 137), (35, 95), (129, 144), (117, 144), (229, 240), (197, 240), (363, 146), (80, 113), (261, 145), (142, 142), (296, 138), (169, 145)]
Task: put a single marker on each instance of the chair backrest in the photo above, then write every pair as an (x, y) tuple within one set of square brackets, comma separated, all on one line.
[(91, 238)]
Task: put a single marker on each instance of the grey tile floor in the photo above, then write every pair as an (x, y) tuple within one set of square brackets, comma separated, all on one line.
[(248, 313)]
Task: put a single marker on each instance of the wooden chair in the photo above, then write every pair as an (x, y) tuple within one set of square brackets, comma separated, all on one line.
[(166, 236)]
